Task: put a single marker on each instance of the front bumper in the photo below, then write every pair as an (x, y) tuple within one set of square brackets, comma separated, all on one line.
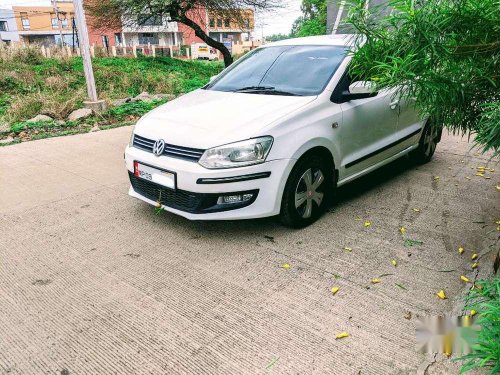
[(198, 188)]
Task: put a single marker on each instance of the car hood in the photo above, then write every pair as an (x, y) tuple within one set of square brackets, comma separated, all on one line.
[(206, 118)]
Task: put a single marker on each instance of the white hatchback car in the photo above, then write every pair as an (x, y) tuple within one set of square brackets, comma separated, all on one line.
[(273, 134)]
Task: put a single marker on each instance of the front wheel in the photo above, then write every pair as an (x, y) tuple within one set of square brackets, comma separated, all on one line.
[(308, 192), (427, 144)]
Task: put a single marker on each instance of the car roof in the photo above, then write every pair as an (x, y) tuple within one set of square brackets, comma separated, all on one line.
[(328, 40)]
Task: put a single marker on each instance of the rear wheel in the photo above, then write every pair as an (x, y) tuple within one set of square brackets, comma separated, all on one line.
[(308, 192), (427, 144)]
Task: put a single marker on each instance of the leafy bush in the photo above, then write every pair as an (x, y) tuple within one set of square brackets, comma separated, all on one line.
[(445, 54), (133, 109), (485, 299)]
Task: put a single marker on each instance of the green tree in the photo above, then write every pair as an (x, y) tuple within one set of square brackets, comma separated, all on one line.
[(443, 53), (313, 19), (277, 37)]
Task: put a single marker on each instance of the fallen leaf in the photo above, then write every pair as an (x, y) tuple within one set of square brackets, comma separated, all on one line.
[(402, 230), (461, 250), (467, 177), (474, 265), (464, 279), (272, 362), (474, 256), (436, 178), (286, 266), (375, 281), (400, 286), (441, 294), (334, 290), (408, 315), (497, 222), (367, 224), (347, 249), (394, 262), (498, 187), (408, 242), (480, 174), (416, 209), (341, 335)]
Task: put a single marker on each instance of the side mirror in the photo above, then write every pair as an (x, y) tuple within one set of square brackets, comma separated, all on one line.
[(360, 90)]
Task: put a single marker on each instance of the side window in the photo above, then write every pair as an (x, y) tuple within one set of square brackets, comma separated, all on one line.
[(342, 86)]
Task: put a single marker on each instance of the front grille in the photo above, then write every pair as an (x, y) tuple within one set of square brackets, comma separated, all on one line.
[(179, 152), (178, 199)]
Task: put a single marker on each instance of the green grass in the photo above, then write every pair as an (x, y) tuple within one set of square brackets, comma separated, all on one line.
[(30, 84), (485, 299)]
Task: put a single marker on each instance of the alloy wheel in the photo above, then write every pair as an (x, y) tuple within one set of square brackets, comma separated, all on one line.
[(309, 192), (430, 140)]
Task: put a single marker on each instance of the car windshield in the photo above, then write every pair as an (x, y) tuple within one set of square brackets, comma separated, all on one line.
[(282, 70)]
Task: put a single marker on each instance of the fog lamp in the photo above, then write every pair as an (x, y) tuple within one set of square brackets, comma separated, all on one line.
[(231, 199)]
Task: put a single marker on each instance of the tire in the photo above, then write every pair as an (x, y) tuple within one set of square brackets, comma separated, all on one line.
[(427, 144), (311, 185)]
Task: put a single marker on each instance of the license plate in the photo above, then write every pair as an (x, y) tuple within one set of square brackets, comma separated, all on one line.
[(155, 175)]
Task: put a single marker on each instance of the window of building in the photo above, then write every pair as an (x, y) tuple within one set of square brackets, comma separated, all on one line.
[(64, 23), (246, 23), (226, 22), (54, 21), (118, 39), (145, 38), (219, 22), (25, 20), (3, 26), (149, 20), (211, 22)]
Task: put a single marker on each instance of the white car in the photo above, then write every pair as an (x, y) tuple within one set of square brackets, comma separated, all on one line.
[(273, 134)]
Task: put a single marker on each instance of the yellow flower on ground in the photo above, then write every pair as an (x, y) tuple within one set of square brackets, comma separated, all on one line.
[(341, 335), (375, 281), (402, 230), (498, 187), (473, 312), (441, 294), (286, 266), (480, 174), (334, 290), (474, 265), (474, 256), (497, 222), (461, 250), (394, 262), (367, 224), (416, 209), (467, 177), (436, 178), (465, 279), (347, 248)]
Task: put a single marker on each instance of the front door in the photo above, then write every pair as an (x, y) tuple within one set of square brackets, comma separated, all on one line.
[(367, 131)]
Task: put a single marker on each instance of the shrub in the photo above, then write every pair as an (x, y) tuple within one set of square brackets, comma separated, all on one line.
[(485, 299)]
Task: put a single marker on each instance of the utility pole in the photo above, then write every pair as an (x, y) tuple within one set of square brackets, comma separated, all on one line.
[(83, 38), (59, 24)]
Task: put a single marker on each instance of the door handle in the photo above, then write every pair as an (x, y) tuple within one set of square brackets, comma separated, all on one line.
[(394, 104)]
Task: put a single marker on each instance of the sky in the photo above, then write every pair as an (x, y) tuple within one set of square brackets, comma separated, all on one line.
[(279, 21)]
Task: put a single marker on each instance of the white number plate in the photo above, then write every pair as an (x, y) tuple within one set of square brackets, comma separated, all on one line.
[(154, 175)]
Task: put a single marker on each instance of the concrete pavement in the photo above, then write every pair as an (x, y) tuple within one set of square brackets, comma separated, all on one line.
[(93, 282)]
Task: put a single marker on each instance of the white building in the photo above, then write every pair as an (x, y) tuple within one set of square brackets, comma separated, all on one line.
[(147, 29), (8, 28)]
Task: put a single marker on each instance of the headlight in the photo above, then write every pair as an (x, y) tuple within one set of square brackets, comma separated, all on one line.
[(238, 154)]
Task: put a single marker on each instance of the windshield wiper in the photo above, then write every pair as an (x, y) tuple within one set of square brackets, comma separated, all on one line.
[(268, 90)]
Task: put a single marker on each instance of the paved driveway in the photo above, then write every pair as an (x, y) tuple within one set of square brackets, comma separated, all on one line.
[(93, 282)]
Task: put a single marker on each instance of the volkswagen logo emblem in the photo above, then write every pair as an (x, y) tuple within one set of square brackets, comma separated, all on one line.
[(158, 147)]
